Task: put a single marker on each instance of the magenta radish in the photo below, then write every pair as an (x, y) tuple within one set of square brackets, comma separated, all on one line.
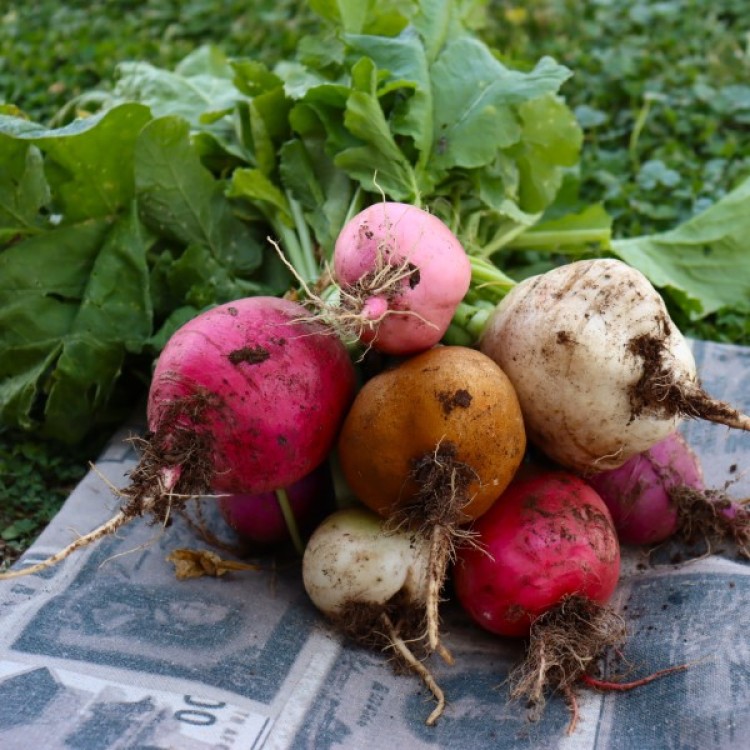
[(283, 514), (601, 371), (544, 564), (371, 582), (640, 493), (245, 398), (661, 494), (402, 274)]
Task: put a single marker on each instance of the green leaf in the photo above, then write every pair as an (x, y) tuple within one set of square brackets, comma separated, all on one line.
[(405, 61), (198, 280), (572, 233), (269, 124), (550, 140), (323, 191), (73, 301), (255, 186), (87, 162), (372, 16), (178, 197), (379, 165), (202, 83), (437, 21), (475, 99), (23, 189), (704, 262)]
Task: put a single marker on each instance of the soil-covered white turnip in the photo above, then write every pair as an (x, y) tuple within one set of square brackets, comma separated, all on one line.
[(601, 371)]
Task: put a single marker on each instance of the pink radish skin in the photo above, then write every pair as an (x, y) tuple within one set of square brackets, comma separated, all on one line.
[(411, 313), (245, 398), (639, 493), (545, 538), (275, 390), (258, 518), (660, 494)]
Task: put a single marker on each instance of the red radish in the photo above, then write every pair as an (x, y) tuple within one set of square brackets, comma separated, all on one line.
[(545, 538), (283, 514), (660, 494), (246, 397), (601, 371), (402, 274), (544, 562)]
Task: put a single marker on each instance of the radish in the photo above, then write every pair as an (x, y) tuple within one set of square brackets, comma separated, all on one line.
[(543, 564), (283, 514), (430, 444), (402, 274), (245, 398), (601, 371), (372, 583), (660, 494)]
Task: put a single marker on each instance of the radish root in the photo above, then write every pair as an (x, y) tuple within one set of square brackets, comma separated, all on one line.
[(364, 305), (406, 655), (563, 644)]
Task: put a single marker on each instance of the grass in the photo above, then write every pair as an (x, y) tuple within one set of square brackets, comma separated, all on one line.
[(659, 87)]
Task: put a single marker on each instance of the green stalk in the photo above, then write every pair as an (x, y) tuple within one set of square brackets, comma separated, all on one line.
[(556, 242), (468, 323), (503, 239), (484, 273), (305, 243), (293, 250), (355, 205), (291, 522)]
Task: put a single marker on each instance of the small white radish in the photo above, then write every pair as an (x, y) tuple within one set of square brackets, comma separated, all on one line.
[(372, 583), (351, 562), (600, 369)]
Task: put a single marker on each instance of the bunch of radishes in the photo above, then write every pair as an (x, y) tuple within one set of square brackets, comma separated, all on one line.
[(250, 400)]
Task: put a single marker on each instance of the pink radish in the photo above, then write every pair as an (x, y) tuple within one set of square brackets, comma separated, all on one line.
[(283, 514), (660, 494), (245, 398), (402, 274)]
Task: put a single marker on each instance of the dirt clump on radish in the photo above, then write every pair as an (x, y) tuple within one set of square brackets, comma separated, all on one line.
[(564, 643), (712, 517)]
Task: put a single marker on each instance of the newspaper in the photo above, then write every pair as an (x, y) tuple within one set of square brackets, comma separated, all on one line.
[(109, 651)]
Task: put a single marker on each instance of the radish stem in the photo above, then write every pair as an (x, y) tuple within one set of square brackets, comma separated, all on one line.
[(291, 522)]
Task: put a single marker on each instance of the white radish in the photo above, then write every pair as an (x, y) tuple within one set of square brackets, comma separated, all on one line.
[(372, 583), (600, 369), (349, 560)]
